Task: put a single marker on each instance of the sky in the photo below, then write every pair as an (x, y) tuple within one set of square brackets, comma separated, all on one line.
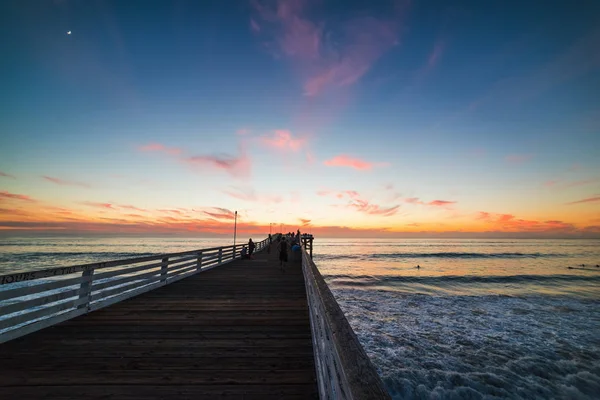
[(340, 118)]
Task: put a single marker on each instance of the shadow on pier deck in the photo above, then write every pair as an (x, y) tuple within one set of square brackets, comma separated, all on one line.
[(237, 331)]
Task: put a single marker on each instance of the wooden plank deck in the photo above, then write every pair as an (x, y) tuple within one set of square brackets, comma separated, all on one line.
[(237, 331)]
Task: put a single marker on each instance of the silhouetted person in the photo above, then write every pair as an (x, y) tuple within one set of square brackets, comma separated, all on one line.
[(244, 253), (251, 247), (269, 245), (283, 256)]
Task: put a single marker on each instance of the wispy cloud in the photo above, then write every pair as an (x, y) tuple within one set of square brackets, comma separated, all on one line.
[(237, 166), (5, 175), (433, 203), (304, 221), (220, 213), (98, 205), (357, 202), (254, 25), (441, 203), (436, 54), (64, 182), (13, 196), (579, 59), (344, 160), (249, 194), (587, 200), (365, 207), (326, 62), (511, 223), (516, 159), (161, 148), (130, 207), (283, 140), (171, 211)]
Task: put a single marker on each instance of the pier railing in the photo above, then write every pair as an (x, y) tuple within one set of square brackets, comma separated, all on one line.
[(344, 371), (33, 300)]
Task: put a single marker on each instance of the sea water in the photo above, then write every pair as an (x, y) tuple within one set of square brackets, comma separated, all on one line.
[(478, 318)]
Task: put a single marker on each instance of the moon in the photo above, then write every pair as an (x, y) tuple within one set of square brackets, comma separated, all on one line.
[(68, 32)]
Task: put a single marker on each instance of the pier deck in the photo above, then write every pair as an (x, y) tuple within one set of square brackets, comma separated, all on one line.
[(237, 331)]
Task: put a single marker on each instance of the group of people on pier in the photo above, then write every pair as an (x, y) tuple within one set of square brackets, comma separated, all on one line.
[(289, 240)]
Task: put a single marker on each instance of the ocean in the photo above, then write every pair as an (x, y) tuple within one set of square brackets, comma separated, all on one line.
[(479, 319)]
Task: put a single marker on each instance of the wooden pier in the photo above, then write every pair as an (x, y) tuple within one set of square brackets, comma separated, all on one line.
[(238, 331), (225, 328)]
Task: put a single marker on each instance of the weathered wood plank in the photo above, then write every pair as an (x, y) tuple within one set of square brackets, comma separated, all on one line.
[(196, 392), (237, 331)]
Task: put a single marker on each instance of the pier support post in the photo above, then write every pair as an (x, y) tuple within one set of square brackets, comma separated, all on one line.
[(85, 289), (163, 269), (199, 262)]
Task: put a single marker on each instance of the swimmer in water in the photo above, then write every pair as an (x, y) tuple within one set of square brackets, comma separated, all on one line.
[(418, 266)]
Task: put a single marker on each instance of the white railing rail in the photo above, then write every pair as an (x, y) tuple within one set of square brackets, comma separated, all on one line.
[(344, 371), (33, 300)]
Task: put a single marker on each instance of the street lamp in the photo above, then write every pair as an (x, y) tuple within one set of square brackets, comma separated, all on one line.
[(234, 230)]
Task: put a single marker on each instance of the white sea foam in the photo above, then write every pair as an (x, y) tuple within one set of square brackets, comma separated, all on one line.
[(447, 347)]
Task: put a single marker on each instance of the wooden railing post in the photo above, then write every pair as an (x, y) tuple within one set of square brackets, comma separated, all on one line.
[(85, 289), (163, 269), (199, 262), (220, 255)]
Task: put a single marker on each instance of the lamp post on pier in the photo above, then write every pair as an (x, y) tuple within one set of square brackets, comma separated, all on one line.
[(234, 231)]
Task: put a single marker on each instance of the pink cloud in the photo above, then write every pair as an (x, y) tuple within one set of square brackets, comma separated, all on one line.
[(221, 213), (436, 54), (254, 26), (243, 131), (98, 205), (505, 217), (483, 215), (13, 196), (413, 200), (346, 161), (518, 158), (433, 203), (373, 209), (366, 40), (63, 182), (440, 203), (570, 184), (304, 221), (582, 182), (358, 203), (5, 175), (587, 200), (130, 207), (284, 140), (323, 62), (13, 211), (177, 212), (249, 194), (157, 147), (237, 166)]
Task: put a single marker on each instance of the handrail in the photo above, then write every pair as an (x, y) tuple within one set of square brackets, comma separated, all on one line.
[(344, 371), (65, 294)]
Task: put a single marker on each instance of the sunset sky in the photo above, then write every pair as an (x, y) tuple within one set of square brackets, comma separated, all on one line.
[(379, 119)]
